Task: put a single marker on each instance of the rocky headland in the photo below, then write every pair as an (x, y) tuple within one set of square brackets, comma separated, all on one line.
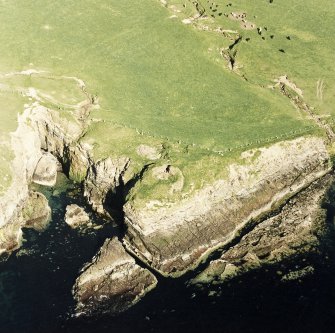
[(175, 238), (288, 179), (198, 137), (112, 282)]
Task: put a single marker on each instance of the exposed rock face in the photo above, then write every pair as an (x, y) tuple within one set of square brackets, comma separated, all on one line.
[(76, 216), (76, 159), (26, 145), (41, 129), (57, 136), (112, 282), (174, 238), (102, 179), (36, 212), (297, 229), (46, 170), (55, 133), (10, 238)]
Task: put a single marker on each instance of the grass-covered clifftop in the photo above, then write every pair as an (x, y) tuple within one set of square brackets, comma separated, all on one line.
[(193, 80)]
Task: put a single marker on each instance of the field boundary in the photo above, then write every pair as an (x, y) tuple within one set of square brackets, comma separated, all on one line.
[(222, 152)]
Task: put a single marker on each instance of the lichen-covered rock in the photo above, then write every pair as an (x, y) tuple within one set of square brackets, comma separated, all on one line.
[(46, 170), (76, 216), (296, 230), (112, 283), (175, 237)]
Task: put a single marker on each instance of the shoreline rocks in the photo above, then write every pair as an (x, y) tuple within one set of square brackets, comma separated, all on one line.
[(11, 238), (174, 238), (112, 282), (298, 229), (34, 213), (102, 180), (76, 216), (27, 149), (42, 136)]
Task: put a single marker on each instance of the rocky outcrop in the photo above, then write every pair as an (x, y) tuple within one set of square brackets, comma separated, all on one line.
[(59, 135), (103, 179), (174, 238), (170, 236), (46, 170), (11, 238), (40, 130), (112, 282), (26, 147), (76, 216), (36, 212), (33, 212), (297, 229), (151, 153)]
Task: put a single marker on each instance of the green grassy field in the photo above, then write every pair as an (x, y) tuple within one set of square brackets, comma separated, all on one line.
[(304, 30), (10, 105), (160, 81)]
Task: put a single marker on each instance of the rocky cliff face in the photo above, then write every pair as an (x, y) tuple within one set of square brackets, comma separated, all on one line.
[(103, 178), (39, 130), (112, 282), (26, 145), (59, 136), (173, 239), (46, 170), (298, 228)]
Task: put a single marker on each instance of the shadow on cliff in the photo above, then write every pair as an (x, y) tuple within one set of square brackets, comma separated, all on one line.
[(117, 198)]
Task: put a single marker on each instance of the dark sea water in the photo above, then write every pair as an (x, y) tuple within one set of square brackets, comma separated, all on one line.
[(36, 282)]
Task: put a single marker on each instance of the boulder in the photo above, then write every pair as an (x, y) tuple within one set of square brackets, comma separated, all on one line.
[(151, 153), (76, 216)]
